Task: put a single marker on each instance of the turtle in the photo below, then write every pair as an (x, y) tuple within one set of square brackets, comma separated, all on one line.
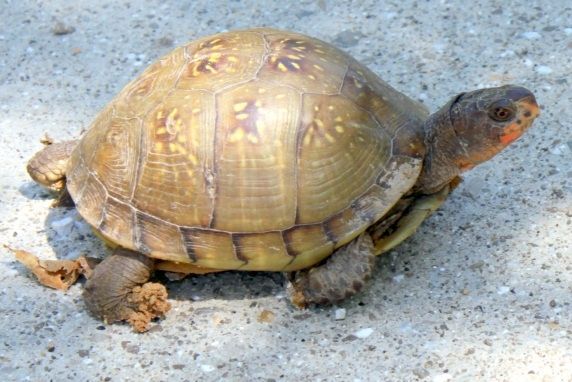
[(265, 150)]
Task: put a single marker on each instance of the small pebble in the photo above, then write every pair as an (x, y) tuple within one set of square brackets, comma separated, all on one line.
[(363, 333), (542, 69), (340, 314), (348, 38), (473, 187), (207, 368), (166, 41), (63, 226), (420, 373), (531, 35), (503, 290), (398, 278), (444, 377), (82, 227), (60, 29), (11, 272), (560, 149), (349, 338), (174, 276)]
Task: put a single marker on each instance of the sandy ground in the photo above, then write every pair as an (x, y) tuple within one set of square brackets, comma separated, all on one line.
[(481, 293)]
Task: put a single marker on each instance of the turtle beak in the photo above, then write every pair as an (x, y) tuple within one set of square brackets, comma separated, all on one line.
[(527, 111)]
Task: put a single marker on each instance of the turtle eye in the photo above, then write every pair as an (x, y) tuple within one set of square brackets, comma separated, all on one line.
[(501, 112)]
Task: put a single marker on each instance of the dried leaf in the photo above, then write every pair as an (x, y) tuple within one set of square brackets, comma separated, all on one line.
[(46, 140), (57, 274)]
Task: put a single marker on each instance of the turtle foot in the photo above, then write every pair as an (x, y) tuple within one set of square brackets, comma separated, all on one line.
[(118, 290), (344, 274)]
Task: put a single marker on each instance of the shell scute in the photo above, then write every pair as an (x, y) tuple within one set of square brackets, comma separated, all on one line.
[(251, 150)]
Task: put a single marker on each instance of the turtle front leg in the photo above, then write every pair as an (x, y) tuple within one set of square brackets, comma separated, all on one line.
[(118, 290), (343, 274), (409, 220), (48, 166)]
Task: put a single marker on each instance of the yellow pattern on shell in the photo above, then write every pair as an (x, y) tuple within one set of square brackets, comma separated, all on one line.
[(252, 150)]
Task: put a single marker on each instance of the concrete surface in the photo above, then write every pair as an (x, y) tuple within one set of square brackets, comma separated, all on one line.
[(481, 293)]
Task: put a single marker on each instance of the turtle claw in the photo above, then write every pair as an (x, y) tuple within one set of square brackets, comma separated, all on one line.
[(296, 295)]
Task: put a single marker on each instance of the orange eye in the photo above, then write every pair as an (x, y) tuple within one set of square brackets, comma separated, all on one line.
[(501, 113)]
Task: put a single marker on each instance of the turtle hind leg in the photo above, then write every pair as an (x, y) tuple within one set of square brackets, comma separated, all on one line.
[(48, 166), (343, 274), (118, 290)]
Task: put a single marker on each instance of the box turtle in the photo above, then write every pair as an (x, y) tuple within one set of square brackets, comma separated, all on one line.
[(265, 150)]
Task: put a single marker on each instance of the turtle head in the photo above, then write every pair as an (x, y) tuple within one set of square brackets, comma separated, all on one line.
[(472, 128), (485, 121)]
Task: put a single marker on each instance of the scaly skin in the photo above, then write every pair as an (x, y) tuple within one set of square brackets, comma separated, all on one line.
[(48, 166), (343, 274), (118, 290)]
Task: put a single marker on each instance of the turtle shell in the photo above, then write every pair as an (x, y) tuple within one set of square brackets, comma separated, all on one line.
[(253, 150)]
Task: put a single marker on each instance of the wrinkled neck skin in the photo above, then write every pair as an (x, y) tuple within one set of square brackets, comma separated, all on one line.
[(442, 151)]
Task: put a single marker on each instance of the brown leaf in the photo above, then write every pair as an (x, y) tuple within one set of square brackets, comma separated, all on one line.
[(57, 274), (46, 140)]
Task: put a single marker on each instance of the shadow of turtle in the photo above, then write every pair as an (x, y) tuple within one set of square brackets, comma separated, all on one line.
[(70, 236), (33, 191), (230, 285)]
